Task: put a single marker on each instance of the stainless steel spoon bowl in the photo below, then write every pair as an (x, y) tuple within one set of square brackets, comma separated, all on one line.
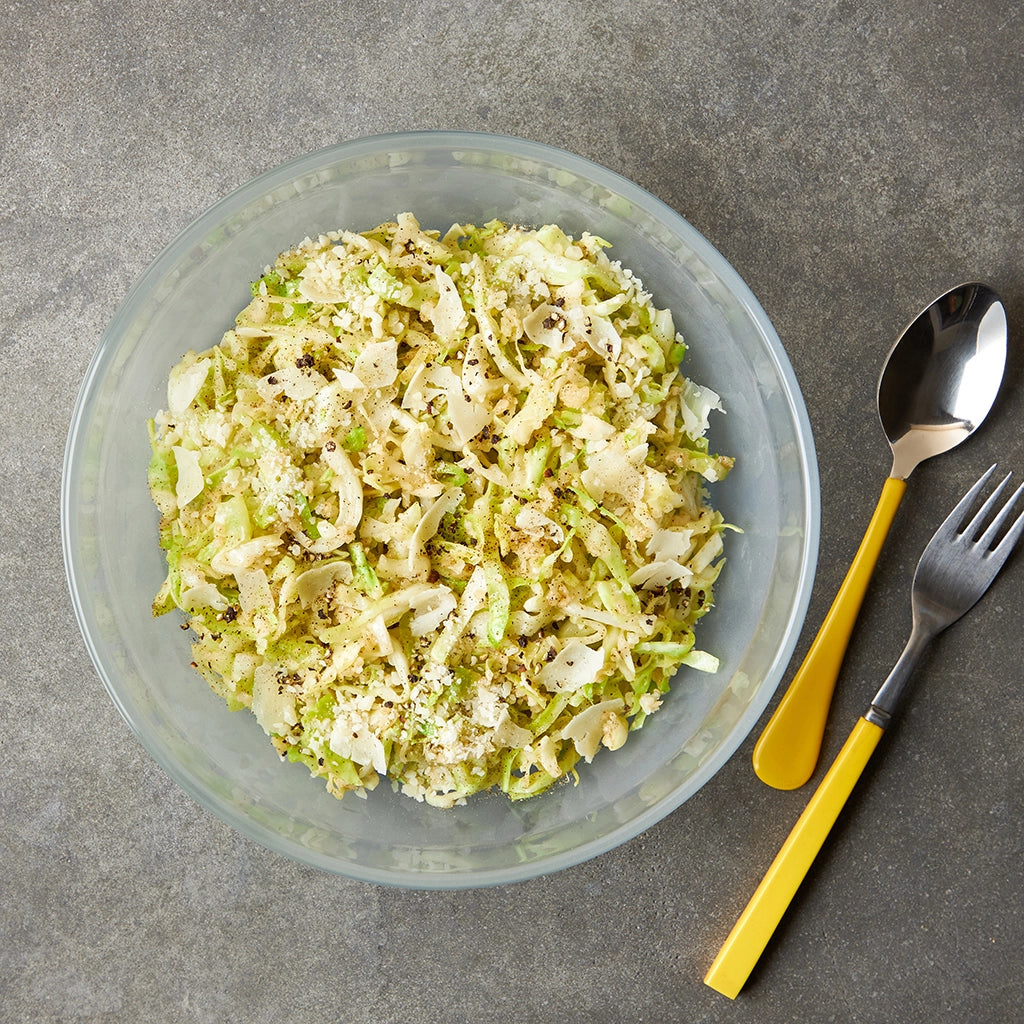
[(937, 385), (942, 376)]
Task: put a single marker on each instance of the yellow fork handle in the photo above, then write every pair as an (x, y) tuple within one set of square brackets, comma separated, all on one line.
[(786, 753), (746, 942)]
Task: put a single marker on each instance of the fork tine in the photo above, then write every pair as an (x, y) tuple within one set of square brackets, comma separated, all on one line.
[(1009, 542), (951, 524), (997, 523), (974, 525)]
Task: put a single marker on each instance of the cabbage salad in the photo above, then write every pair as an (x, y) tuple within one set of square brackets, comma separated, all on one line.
[(435, 507)]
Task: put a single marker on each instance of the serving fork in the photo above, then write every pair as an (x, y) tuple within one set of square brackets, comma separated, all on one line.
[(960, 562)]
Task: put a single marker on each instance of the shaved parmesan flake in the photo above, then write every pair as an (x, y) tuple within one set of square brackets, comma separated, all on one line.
[(355, 740), (272, 704), (190, 477), (320, 581), (449, 315), (599, 722), (468, 417), (377, 364), (298, 384), (203, 595), (254, 590), (184, 384), (574, 666)]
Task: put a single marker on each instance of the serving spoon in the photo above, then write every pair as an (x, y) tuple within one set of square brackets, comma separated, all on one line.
[(938, 383)]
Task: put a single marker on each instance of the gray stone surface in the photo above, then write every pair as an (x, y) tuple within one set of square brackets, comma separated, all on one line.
[(852, 160)]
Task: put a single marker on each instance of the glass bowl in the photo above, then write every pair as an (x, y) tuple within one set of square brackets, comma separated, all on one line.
[(190, 295)]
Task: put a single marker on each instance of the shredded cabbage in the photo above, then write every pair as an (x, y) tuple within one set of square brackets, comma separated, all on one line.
[(435, 507)]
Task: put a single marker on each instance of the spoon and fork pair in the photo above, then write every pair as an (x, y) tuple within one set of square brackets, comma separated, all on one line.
[(940, 380)]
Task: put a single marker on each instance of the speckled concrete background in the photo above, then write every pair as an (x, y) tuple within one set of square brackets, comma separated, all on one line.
[(852, 160)]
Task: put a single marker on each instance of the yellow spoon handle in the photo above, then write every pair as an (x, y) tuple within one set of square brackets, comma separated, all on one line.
[(787, 752), (757, 923)]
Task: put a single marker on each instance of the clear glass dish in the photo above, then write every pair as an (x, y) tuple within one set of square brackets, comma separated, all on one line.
[(191, 294)]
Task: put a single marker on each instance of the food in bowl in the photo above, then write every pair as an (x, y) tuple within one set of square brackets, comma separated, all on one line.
[(436, 507)]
